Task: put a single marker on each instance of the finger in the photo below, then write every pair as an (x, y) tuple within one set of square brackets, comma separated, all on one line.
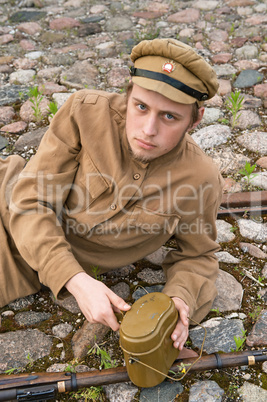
[(109, 319), (112, 322), (184, 318), (179, 335)]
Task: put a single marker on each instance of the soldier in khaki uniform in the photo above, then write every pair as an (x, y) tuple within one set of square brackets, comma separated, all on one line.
[(114, 178)]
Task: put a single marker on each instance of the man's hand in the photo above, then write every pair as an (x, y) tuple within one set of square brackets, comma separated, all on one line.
[(180, 333), (97, 302)]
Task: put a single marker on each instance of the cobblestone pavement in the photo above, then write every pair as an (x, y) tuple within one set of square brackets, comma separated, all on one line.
[(62, 46)]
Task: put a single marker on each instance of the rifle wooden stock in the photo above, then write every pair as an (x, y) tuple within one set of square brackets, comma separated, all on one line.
[(45, 386)]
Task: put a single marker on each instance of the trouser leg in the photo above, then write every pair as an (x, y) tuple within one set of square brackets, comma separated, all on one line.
[(17, 279)]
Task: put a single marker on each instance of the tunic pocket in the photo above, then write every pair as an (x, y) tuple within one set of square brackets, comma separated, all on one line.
[(89, 184)]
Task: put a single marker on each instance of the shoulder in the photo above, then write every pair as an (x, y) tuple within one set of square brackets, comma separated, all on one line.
[(101, 99)]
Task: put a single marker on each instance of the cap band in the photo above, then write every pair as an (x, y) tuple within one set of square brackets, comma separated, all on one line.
[(138, 72)]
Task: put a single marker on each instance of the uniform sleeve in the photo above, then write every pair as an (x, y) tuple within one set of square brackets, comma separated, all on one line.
[(191, 270), (38, 198)]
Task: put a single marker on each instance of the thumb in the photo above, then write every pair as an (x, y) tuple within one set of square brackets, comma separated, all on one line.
[(118, 303)]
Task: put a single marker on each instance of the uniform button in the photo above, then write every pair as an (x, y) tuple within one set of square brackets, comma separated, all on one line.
[(137, 176), (113, 206)]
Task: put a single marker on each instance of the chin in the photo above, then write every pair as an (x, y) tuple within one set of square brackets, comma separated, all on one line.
[(141, 156)]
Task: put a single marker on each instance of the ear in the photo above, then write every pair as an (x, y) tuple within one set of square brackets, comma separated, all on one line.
[(201, 111)]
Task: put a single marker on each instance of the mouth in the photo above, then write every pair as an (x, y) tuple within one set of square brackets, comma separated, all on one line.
[(145, 144)]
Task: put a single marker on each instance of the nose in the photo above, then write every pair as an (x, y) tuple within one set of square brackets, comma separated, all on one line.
[(150, 126)]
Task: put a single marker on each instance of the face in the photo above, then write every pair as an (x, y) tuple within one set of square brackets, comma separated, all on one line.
[(155, 124)]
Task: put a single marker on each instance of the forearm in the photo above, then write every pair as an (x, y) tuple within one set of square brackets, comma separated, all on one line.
[(194, 282)]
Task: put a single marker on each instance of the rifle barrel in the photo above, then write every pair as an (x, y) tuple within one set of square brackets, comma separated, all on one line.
[(26, 387), (221, 360)]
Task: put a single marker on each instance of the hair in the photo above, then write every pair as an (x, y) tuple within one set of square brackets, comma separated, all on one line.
[(195, 113), (195, 107)]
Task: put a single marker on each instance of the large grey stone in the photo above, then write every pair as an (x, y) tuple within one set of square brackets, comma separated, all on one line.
[(211, 115), (166, 391), (31, 317), (212, 136), (22, 77), (258, 335), (152, 276), (247, 52), (24, 16), (11, 94), (224, 256), (3, 142), (250, 392), (255, 141), (220, 334), (62, 330), (18, 348), (247, 119), (228, 161), (118, 24), (230, 293), (260, 180), (224, 233), (206, 5), (87, 336), (30, 139), (205, 391), (124, 392), (121, 289), (82, 74), (247, 78), (225, 70), (253, 230)]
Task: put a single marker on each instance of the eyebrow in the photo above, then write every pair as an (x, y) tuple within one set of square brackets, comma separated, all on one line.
[(162, 111)]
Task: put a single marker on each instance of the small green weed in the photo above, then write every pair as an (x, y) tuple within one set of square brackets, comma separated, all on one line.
[(14, 370), (233, 104), (233, 229), (71, 367), (105, 359), (239, 341), (96, 271), (30, 360), (89, 394), (223, 121), (36, 98), (52, 107), (255, 313), (232, 29), (215, 310), (247, 172)]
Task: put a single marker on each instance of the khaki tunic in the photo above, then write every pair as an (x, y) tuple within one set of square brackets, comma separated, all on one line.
[(82, 202)]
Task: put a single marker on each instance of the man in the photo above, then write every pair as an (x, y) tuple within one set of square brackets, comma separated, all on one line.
[(114, 178)]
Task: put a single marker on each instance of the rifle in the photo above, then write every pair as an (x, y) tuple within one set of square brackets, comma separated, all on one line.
[(45, 386)]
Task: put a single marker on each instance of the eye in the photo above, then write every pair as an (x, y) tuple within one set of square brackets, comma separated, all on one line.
[(141, 106), (169, 116)]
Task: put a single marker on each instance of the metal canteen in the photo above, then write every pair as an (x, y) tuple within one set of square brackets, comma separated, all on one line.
[(145, 338)]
